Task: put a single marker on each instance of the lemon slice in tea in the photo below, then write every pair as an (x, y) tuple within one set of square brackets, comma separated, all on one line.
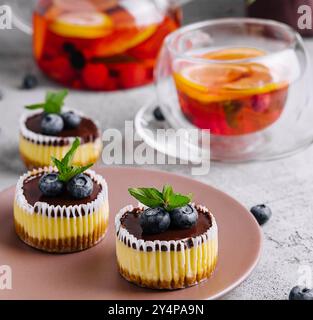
[(89, 25)]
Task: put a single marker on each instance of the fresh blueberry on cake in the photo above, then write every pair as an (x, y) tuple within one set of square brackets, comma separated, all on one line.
[(166, 242), (62, 208), (48, 131)]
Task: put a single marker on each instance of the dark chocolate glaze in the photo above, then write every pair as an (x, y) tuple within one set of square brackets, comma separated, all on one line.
[(130, 221), (87, 130), (33, 194)]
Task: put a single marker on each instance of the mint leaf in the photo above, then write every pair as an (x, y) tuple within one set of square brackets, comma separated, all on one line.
[(69, 173), (53, 103), (66, 170), (67, 160), (58, 164), (178, 200), (167, 192), (35, 106), (166, 199), (148, 196)]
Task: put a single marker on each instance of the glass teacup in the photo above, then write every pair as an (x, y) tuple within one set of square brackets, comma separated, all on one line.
[(244, 80)]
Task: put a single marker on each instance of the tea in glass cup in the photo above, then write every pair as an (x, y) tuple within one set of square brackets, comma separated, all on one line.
[(230, 98), (245, 83)]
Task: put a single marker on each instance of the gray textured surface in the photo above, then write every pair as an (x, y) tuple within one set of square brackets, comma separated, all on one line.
[(286, 185)]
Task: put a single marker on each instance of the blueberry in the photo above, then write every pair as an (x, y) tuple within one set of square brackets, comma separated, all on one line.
[(262, 213), (158, 114), (184, 218), (69, 47), (30, 81), (77, 59), (301, 293), (71, 119), (52, 124), (50, 185), (155, 220), (81, 186)]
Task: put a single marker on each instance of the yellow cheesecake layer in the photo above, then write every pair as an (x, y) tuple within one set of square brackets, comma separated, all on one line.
[(167, 269), (39, 155), (61, 234)]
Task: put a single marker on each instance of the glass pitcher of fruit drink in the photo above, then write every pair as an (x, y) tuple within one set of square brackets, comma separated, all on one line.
[(99, 44)]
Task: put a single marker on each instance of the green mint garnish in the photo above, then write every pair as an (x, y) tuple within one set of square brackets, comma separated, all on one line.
[(53, 103), (167, 199), (66, 170)]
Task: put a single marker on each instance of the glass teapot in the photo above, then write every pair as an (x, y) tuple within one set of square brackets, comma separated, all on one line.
[(100, 45)]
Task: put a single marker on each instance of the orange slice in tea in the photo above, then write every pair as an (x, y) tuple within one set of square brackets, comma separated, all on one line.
[(204, 77), (89, 25), (258, 80), (234, 54), (123, 40), (222, 81)]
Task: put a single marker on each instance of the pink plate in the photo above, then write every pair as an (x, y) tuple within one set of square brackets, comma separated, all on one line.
[(92, 274)]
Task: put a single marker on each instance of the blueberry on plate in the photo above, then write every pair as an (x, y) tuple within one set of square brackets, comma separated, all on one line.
[(71, 119), (30, 81), (50, 185), (301, 293), (155, 220), (262, 213), (184, 218), (81, 186), (52, 124)]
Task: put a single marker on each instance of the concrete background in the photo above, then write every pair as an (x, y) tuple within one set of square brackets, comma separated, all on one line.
[(285, 185)]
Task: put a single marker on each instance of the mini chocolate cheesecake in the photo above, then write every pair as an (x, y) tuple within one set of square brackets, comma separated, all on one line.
[(87, 131), (50, 132), (61, 209), (178, 256)]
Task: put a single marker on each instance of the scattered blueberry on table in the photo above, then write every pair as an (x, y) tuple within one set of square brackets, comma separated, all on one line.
[(30, 81), (262, 213), (158, 114), (301, 293)]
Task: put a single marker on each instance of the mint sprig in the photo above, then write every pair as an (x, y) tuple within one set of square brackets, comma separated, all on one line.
[(66, 170), (153, 198), (53, 103)]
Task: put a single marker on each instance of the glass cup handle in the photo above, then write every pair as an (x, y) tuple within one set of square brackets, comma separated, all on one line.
[(18, 20)]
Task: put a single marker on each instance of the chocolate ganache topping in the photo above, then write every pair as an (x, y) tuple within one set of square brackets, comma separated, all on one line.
[(33, 194), (130, 221), (87, 130)]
